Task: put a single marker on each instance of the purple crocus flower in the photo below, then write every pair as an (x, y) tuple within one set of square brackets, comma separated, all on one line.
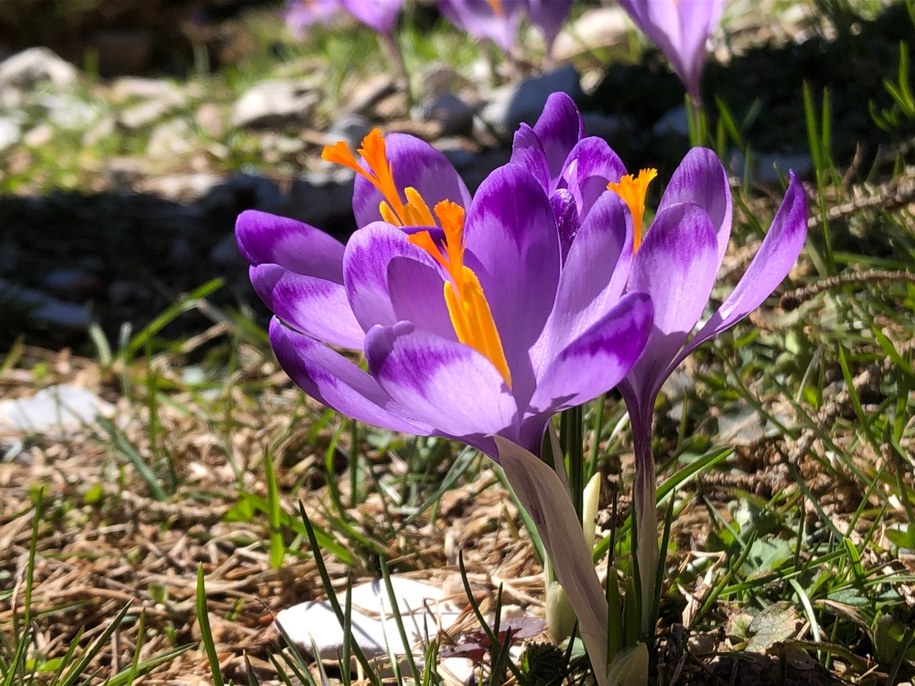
[(676, 262), (301, 14), (379, 15), (495, 20), (548, 16), (472, 326), (680, 28)]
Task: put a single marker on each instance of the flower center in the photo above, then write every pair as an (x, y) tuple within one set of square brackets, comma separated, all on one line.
[(632, 189), (467, 306), (411, 210)]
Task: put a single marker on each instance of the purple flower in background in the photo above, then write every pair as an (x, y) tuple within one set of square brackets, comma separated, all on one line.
[(680, 28), (495, 20), (548, 16), (472, 326), (379, 15), (301, 14)]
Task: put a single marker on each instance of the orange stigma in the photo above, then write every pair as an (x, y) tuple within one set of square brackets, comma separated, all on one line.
[(496, 7), (411, 210), (467, 305), (632, 189)]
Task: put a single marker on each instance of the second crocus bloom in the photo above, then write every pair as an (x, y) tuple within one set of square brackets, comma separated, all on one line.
[(681, 29)]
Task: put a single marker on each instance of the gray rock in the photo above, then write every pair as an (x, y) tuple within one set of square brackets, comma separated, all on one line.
[(351, 128), (275, 104), (524, 101), (439, 78), (447, 109), (770, 167), (73, 283), (33, 66), (367, 94), (673, 122), (320, 199), (604, 126), (45, 308), (129, 88)]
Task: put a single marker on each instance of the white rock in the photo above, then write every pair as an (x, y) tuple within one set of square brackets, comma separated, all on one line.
[(313, 625), (275, 104), (10, 133), (30, 67), (599, 28), (57, 409)]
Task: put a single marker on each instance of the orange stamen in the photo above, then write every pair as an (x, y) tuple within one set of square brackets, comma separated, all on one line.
[(496, 7), (633, 189), (393, 209), (467, 305)]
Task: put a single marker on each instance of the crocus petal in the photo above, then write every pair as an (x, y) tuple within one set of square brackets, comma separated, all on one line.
[(365, 271), (300, 14), (527, 152), (597, 360), (480, 19), (589, 167), (416, 164), (680, 28), (268, 239), (549, 16), (676, 265), (603, 244), (777, 254), (698, 18), (417, 295), (327, 376), (559, 128), (379, 15), (446, 384), (701, 179), (513, 246), (547, 502), (316, 307)]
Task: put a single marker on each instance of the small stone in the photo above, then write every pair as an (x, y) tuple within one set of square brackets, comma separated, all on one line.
[(46, 308), (523, 102), (129, 88), (61, 409), (10, 133), (438, 79), (595, 29), (211, 120), (171, 138), (275, 104), (69, 112), (33, 66), (421, 608), (39, 136), (453, 114), (72, 283), (366, 95), (673, 122)]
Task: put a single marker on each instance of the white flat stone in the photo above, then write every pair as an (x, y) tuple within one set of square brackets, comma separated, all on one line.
[(313, 625), (56, 409)]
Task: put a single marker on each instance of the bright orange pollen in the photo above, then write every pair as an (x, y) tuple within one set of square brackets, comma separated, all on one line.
[(633, 189), (393, 209), (497, 8), (467, 305)]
